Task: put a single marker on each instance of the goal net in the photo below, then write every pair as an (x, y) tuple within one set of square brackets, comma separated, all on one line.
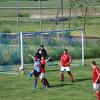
[(54, 42), (9, 52)]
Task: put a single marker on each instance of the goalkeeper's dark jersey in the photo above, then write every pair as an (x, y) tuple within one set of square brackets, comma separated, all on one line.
[(41, 53)]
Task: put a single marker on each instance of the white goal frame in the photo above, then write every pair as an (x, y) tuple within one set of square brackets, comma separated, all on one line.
[(82, 40)]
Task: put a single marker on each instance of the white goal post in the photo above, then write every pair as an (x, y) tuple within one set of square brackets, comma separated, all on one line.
[(82, 43), (21, 50)]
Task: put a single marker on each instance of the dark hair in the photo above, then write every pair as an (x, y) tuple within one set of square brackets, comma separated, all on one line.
[(93, 62), (41, 46), (65, 50)]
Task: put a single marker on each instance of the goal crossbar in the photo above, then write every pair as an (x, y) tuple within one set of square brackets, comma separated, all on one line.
[(52, 32)]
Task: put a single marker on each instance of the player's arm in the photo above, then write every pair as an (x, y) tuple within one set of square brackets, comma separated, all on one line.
[(60, 63), (31, 56), (70, 60), (48, 59), (98, 73)]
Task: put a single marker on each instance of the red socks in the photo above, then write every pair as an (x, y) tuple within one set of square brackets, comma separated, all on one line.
[(71, 77), (98, 95), (62, 77)]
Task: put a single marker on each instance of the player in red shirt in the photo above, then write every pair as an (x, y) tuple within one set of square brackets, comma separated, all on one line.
[(96, 79), (42, 72), (65, 65)]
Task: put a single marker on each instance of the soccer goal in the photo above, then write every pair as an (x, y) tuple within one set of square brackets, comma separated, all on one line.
[(54, 42)]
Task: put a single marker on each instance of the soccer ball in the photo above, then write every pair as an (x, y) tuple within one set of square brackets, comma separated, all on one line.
[(21, 68)]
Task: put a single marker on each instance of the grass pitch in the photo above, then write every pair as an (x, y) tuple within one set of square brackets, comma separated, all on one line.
[(18, 87)]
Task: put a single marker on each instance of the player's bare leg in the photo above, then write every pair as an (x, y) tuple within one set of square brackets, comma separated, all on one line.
[(45, 82), (62, 76), (35, 83), (30, 74), (98, 94), (71, 76)]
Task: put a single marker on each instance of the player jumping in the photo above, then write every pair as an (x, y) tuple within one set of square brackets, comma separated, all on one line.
[(42, 71), (35, 71)]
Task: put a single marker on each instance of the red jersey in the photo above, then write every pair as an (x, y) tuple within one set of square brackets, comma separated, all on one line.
[(42, 69), (96, 71), (65, 58)]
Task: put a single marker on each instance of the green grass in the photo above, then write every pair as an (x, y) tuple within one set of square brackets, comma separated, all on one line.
[(13, 87), (91, 30)]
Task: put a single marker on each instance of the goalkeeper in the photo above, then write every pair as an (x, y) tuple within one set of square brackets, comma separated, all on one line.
[(41, 52)]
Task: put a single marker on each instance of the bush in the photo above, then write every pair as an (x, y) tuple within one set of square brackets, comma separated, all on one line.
[(4, 38), (5, 30), (92, 52), (15, 57), (54, 53)]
